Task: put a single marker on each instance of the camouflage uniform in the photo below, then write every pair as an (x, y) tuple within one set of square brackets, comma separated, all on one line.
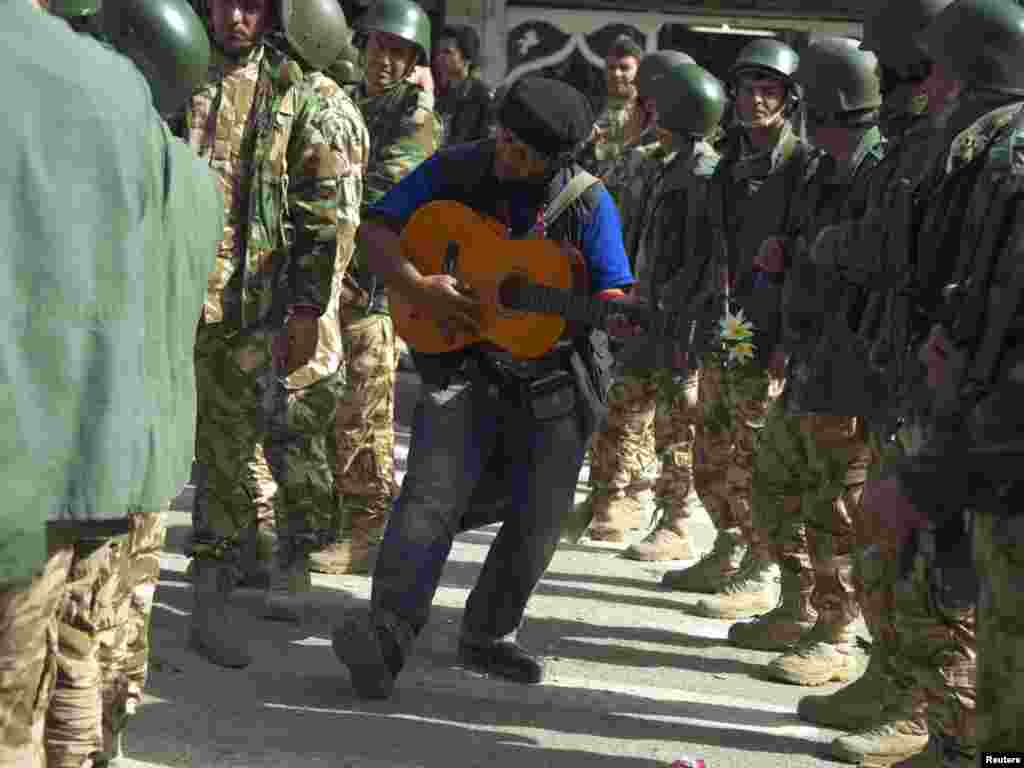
[(622, 452), (618, 128), (811, 462), (749, 199), (404, 131), (886, 707), (103, 641), (260, 434), (670, 230)]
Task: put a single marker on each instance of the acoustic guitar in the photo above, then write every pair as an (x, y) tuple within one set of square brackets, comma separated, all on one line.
[(525, 286)]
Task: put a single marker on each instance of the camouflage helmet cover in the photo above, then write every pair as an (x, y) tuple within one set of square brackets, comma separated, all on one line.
[(981, 42), (890, 29), (837, 76), (691, 100), (653, 66), (401, 18)]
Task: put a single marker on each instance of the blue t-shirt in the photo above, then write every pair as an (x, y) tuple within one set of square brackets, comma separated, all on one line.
[(602, 248)]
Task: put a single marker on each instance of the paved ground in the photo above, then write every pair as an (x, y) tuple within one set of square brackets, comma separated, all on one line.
[(634, 681)]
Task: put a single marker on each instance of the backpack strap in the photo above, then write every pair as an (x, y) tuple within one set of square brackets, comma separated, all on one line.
[(571, 192)]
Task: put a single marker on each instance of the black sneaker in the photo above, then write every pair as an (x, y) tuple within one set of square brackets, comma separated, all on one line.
[(504, 659), (371, 655)]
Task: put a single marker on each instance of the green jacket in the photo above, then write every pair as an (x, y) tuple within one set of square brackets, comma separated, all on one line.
[(288, 235), (111, 225)]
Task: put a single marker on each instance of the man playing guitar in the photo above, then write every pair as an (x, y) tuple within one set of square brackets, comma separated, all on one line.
[(488, 424)]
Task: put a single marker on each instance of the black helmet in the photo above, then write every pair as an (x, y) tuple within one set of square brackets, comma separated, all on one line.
[(981, 42), (890, 30), (653, 66), (837, 76), (401, 18), (772, 56), (691, 101), (165, 38)]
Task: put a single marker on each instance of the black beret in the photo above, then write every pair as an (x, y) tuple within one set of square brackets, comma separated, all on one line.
[(549, 115)]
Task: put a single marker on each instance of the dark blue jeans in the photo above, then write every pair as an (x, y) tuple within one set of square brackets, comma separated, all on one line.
[(472, 445)]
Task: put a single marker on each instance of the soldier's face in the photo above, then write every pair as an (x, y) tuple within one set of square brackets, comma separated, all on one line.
[(759, 101), (238, 25), (620, 74), (389, 59), (514, 159), (451, 60)]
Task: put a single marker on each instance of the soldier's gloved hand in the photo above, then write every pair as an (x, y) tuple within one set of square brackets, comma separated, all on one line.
[(297, 344), (888, 510)]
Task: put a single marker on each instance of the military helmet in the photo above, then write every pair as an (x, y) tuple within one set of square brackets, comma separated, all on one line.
[(401, 18), (316, 30), (981, 42), (837, 76), (768, 54), (73, 9), (653, 66), (165, 38), (890, 29), (691, 101)]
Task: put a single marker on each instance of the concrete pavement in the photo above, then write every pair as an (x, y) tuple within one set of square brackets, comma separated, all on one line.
[(633, 680)]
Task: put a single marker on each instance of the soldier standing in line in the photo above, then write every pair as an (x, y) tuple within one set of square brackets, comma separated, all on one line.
[(690, 103), (622, 451), (812, 458), (750, 199), (91, 452), (908, 672), (960, 481), (268, 369), (404, 131)]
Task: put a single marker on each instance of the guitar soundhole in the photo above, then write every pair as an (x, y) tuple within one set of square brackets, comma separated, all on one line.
[(511, 291)]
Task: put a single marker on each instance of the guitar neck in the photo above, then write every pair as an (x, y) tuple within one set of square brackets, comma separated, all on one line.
[(595, 312)]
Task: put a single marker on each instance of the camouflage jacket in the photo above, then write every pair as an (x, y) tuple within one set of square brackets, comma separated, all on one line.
[(971, 222), (829, 195), (341, 124), (256, 123), (404, 131), (616, 129)]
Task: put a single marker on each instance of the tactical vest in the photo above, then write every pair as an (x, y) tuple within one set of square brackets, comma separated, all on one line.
[(472, 182)]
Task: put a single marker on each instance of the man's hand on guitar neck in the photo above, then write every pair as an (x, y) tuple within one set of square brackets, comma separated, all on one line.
[(439, 299)]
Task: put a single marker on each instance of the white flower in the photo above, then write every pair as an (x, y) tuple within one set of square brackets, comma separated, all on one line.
[(741, 352), (735, 327)]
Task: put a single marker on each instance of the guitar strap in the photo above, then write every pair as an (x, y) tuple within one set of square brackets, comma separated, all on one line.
[(571, 192)]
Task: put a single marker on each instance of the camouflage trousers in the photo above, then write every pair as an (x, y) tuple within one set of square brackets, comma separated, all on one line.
[(930, 641), (74, 646), (731, 421), (364, 426), (999, 555), (675, 432), (623, 450), (809, 475), (261, 446)]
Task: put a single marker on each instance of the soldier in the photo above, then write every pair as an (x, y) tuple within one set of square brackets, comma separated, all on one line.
[(968, 251), (623, 120), (907, 673), (751, 195), (404, 131), (268, 365), (464, 103), (100, 324), (690, 103), (622, 452), (810, 465)]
